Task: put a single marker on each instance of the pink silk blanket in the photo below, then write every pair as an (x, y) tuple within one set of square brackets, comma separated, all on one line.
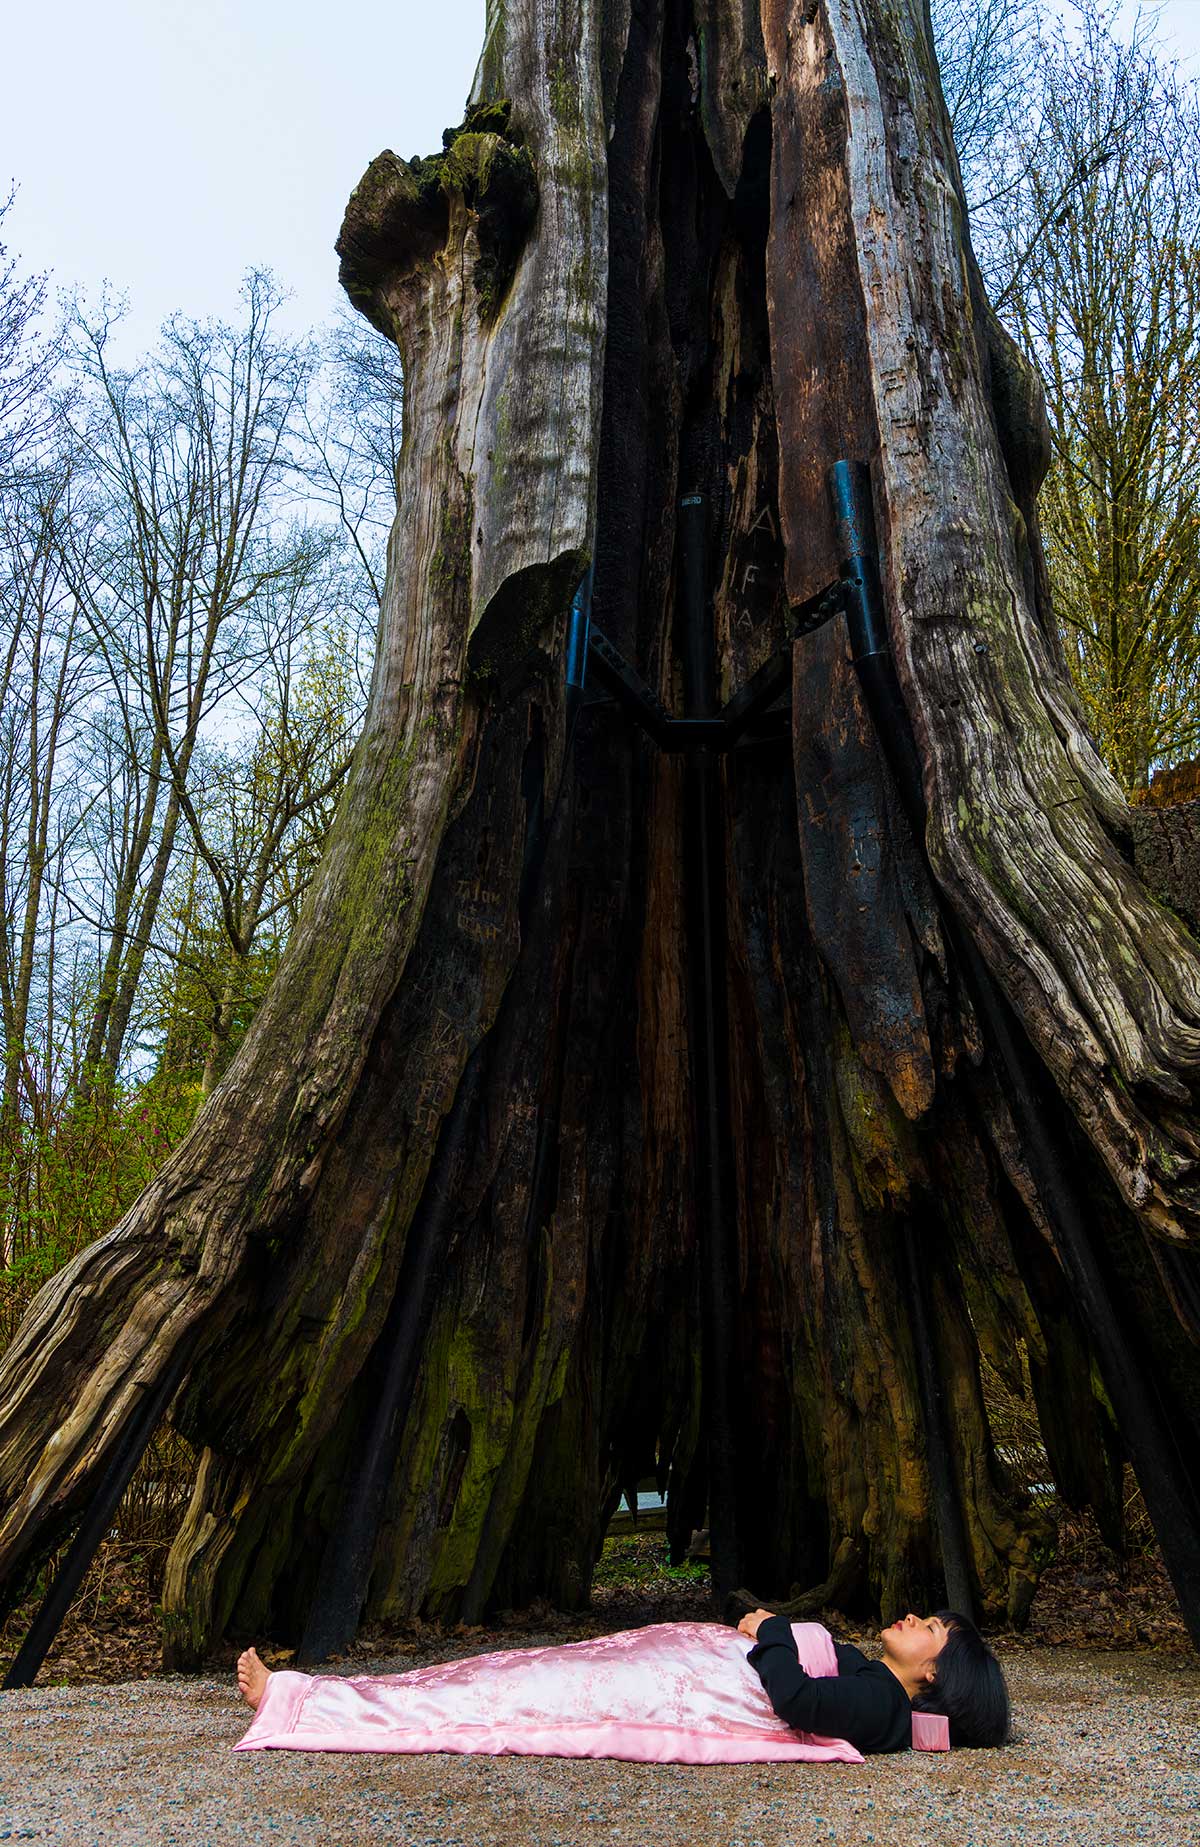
[(673, 1693)]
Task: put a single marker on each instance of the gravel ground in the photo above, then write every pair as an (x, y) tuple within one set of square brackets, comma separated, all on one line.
[(1106, 1750)]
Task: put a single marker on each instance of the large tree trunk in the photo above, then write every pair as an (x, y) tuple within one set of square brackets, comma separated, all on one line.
[(677, 249)]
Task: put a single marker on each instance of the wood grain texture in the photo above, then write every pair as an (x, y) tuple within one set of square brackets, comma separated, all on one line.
[(1025, 823)]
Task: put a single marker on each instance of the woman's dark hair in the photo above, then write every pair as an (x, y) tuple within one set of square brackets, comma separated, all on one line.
[(968, 1686)]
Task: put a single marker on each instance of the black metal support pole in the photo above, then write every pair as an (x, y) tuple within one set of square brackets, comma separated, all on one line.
[(1166, 1476), (579, 625), (866, 621), (704, 883), (128, 1453)]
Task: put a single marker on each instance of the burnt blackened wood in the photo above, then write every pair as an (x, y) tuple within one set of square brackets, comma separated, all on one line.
[(947, 1505), (852, 885), (706, 952)]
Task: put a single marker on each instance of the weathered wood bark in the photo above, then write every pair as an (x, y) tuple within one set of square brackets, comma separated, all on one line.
[(676, 247)]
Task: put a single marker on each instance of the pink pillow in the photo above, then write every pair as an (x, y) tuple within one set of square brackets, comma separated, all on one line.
[(930, 1731)]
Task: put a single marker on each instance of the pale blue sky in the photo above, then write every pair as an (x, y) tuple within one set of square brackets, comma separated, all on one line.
[(166, 147)]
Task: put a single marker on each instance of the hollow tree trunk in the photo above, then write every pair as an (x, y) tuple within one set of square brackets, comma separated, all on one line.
[(678, 248)]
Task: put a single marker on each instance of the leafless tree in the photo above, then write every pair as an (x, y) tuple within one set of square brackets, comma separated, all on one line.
[(354, 423), (182, 635), (44, 678), (191, 460), (260, 803), (987, 54), (29, 352), (1103, 256)]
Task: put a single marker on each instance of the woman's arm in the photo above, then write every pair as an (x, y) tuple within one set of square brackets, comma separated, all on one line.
[(852, 1708)]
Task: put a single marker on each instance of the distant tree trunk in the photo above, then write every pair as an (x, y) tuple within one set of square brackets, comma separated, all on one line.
[(674, 250)]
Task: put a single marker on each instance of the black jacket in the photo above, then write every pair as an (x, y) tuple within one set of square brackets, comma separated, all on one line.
[(865, 1704)]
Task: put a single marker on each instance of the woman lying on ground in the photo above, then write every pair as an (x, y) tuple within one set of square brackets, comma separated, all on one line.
[(668, 1693), (937, 1664)]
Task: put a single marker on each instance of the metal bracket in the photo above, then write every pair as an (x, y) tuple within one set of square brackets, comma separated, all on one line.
[(746, 712)]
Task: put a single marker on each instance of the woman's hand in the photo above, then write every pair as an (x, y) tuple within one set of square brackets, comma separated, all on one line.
[(749, 1624)]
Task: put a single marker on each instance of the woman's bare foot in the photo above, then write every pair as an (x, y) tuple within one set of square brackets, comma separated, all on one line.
[(252, 1677)]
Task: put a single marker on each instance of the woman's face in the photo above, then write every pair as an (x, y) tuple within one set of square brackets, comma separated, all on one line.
[(915, 1642)]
